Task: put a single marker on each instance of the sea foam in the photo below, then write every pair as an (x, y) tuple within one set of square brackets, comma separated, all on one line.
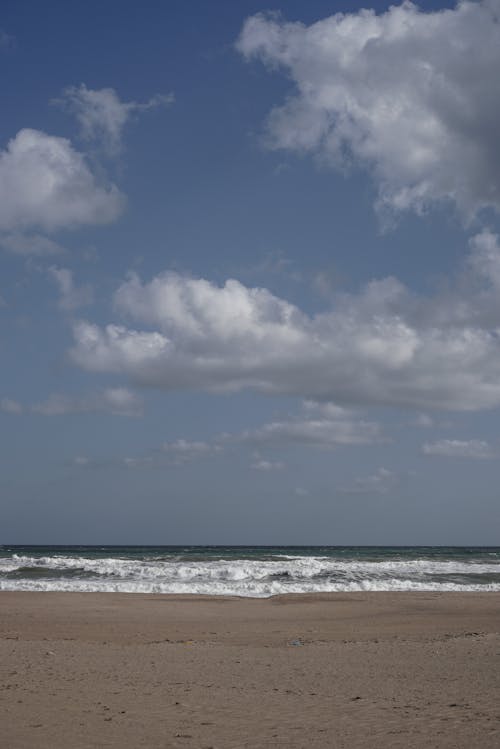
[(254, 575)]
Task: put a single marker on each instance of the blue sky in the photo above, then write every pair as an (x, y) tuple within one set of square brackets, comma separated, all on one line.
[(250, 273)]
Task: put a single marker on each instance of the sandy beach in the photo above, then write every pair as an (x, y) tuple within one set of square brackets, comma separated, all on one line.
[(337, 670)]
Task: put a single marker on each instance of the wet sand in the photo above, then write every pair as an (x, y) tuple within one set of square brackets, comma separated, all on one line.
[(339, 670)]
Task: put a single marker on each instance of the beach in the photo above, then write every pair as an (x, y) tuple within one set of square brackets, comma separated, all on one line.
[(322, 670)]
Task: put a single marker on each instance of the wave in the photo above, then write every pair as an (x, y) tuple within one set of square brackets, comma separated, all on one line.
[(249, 589), (256, 576), (47, 572)]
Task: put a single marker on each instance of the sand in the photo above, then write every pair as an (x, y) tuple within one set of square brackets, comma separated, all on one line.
[(338, 670)]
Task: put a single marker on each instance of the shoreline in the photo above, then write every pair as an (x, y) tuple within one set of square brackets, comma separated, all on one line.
[(364, 670)]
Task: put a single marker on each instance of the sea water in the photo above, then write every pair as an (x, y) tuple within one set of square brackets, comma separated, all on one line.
[(254, 571)]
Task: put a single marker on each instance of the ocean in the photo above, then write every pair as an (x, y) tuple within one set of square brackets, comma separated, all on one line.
[(252, 571)]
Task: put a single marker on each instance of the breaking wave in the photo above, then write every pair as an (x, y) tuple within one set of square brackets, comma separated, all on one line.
[(247, 572)]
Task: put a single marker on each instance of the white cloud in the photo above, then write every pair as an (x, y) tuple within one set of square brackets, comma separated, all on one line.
[(118, 401), (175, 453), (325, 426), (10, 406), (183, 451), (71, 296), (459, 449), (380, 482), (485, 257), (81, 460), (383, 345), (260, 464), (102, 115), (424, 420), (411, 96), (322, 425), (143, 462), (29, 244), (45, 183)]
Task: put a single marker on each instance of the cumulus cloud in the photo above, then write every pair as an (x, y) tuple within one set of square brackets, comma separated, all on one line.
[(383, 345), (459, 449), (71, 296), (118, 401), (102, 115), (46, 184), (411, 96)]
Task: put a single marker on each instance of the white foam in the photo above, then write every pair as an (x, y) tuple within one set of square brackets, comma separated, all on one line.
[(253, 590), (245, 577)]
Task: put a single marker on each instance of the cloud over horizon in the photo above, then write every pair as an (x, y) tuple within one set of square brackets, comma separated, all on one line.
[(265, 310), (384, 345)]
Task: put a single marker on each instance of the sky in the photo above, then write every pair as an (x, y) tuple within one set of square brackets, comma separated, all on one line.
[(250, 272)]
